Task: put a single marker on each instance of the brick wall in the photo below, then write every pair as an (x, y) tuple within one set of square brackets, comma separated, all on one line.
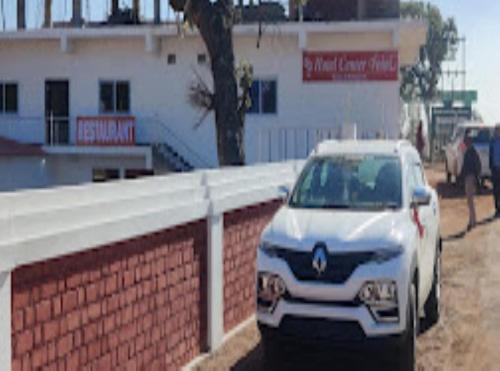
[(242, 230), (138, 304)]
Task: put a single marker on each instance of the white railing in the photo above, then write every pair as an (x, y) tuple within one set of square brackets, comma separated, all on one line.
[(292, 143)]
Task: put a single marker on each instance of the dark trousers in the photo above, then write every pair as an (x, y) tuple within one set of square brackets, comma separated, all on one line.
[(495, 177)]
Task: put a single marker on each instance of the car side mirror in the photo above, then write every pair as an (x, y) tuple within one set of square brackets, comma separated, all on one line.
[(421, 197), (283, 192)]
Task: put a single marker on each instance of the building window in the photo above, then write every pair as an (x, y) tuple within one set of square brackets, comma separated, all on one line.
[(263, 94), (114, 97), (8, 98), (171, 59)]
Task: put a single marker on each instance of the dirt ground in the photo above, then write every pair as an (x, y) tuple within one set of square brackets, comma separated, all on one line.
[(468, 335)]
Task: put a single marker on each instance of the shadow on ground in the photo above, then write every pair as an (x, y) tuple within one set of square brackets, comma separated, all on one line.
[(462, 234), (454, 191), (315, 360)]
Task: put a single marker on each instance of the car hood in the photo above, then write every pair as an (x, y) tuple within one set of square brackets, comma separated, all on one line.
[(340, 230)]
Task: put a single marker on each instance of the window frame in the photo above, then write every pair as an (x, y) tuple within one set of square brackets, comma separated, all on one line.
[(260, 80), (3, 87), (115, 83)]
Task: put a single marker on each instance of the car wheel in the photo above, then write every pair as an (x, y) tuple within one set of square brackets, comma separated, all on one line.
[(432, 305), (407, 353)]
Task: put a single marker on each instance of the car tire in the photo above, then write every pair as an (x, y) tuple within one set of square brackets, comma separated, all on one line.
[(432, 306), (407, 351)]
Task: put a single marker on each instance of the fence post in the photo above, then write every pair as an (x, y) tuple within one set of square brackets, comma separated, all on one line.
[(5, 321), (215, 274)]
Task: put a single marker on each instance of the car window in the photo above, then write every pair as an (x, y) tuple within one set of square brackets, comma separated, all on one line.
[(344, 182)]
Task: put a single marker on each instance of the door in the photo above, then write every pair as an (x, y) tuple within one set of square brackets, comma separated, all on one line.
[(57, 112), (428, 237)]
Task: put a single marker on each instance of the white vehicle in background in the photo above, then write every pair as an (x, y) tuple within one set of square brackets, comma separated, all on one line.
[(454, 152), (353, 256)]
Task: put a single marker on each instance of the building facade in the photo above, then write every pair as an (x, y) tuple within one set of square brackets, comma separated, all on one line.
[(112, 102)]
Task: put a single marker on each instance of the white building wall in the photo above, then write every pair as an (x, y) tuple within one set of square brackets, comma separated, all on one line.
[(23, 173), (159, 91)]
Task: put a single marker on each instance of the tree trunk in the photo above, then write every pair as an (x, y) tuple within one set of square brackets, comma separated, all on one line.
[(215, 22)]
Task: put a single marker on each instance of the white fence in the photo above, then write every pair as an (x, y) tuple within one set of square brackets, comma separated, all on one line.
[(44, 224)]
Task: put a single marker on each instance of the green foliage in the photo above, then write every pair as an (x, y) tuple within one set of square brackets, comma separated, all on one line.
[(421, 80)]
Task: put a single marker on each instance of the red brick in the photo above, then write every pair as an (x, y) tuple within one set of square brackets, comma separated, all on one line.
[(39, 357), (57, 306), (92, 292), (48, 289), (90, 332), (73, 362), (94, 349), (94, 311), (111, 284), (24, 342), (17, 365), (69, 301), (74, 280), (51, 354), (20, 299), (18, 320), (50, 330), (64, 345), (73, 320)]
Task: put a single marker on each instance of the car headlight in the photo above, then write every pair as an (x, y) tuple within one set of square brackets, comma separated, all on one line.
[(268, 249), (270, 289)]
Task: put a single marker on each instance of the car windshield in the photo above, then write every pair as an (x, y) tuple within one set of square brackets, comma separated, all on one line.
[(349, 182)]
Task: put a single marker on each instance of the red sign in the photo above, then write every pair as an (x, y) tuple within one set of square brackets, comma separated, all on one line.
[(351, 66), (105, 131)]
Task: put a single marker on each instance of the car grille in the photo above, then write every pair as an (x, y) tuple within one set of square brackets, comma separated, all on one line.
[(321, 329), (340, 266)]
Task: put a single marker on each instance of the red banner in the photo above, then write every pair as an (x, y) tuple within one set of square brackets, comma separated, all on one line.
[(351, 66), (105, 131)]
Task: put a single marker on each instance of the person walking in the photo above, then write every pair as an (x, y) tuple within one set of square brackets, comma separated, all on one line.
[(420, 140), (495, 168), (471, 171)]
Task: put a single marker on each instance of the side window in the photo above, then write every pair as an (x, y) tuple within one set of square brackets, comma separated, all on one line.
[(114, 97), (8, 98), (264, 96), (419, 175)]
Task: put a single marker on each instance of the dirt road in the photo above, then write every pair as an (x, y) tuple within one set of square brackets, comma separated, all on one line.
[(468, 334)]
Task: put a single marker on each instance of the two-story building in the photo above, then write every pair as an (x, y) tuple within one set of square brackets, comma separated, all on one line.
[(112, 101)]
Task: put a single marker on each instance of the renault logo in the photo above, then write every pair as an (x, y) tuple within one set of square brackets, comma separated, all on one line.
[(320, 261)]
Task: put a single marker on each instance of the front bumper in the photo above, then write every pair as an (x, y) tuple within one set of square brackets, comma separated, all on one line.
[(336, 303)]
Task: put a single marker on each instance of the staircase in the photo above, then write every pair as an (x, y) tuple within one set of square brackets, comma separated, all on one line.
[(168, 158)]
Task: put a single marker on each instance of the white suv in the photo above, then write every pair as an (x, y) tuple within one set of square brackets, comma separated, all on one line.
[(455, 150), (353, 256)]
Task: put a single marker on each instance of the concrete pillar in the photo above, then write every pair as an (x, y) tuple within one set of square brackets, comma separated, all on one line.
[(21, 14), (5, 320), (157, 12), (77, 13), (215, 280), (47, 14)]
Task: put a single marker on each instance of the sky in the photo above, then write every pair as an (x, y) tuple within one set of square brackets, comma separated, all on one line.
[(477, 20)]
